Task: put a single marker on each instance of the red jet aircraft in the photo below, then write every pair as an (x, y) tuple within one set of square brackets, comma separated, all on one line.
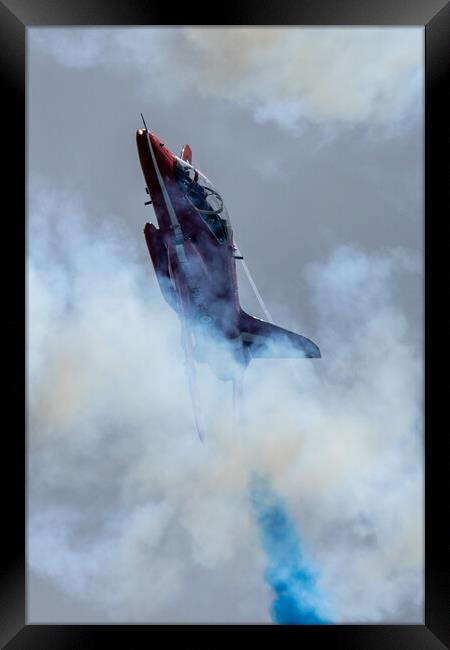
[(194, 257)]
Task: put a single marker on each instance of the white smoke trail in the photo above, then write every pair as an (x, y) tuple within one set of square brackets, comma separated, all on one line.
[(128, 511), (296, 77)]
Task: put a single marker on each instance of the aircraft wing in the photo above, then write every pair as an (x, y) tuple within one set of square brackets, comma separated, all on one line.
[(266, 340)]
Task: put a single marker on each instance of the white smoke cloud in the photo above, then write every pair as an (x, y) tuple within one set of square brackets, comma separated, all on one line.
[(295, 77), (126, 507)]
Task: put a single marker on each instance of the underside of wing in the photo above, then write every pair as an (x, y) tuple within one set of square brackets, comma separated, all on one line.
[(266, 340)]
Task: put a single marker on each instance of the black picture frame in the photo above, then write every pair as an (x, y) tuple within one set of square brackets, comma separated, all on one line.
[(15, 17)]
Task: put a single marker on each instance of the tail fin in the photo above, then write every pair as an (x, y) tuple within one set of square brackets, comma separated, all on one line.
[(270, 341)]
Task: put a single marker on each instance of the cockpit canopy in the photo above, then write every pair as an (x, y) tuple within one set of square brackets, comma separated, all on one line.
[(201, 194)]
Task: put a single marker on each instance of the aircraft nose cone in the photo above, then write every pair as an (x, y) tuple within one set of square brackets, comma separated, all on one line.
[(161, 151), (142, 135), (155, 156), (156, 142)]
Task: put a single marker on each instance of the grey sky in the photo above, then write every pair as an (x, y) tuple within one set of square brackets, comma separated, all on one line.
[(314, 138)]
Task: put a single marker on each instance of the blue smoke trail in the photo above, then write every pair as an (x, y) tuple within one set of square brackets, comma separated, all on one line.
[(293, 585)]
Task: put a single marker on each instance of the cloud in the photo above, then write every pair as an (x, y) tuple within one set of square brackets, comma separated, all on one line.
[(334, 78), (126, 508)]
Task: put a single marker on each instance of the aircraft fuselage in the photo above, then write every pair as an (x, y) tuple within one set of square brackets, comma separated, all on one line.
[(192, 249)]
